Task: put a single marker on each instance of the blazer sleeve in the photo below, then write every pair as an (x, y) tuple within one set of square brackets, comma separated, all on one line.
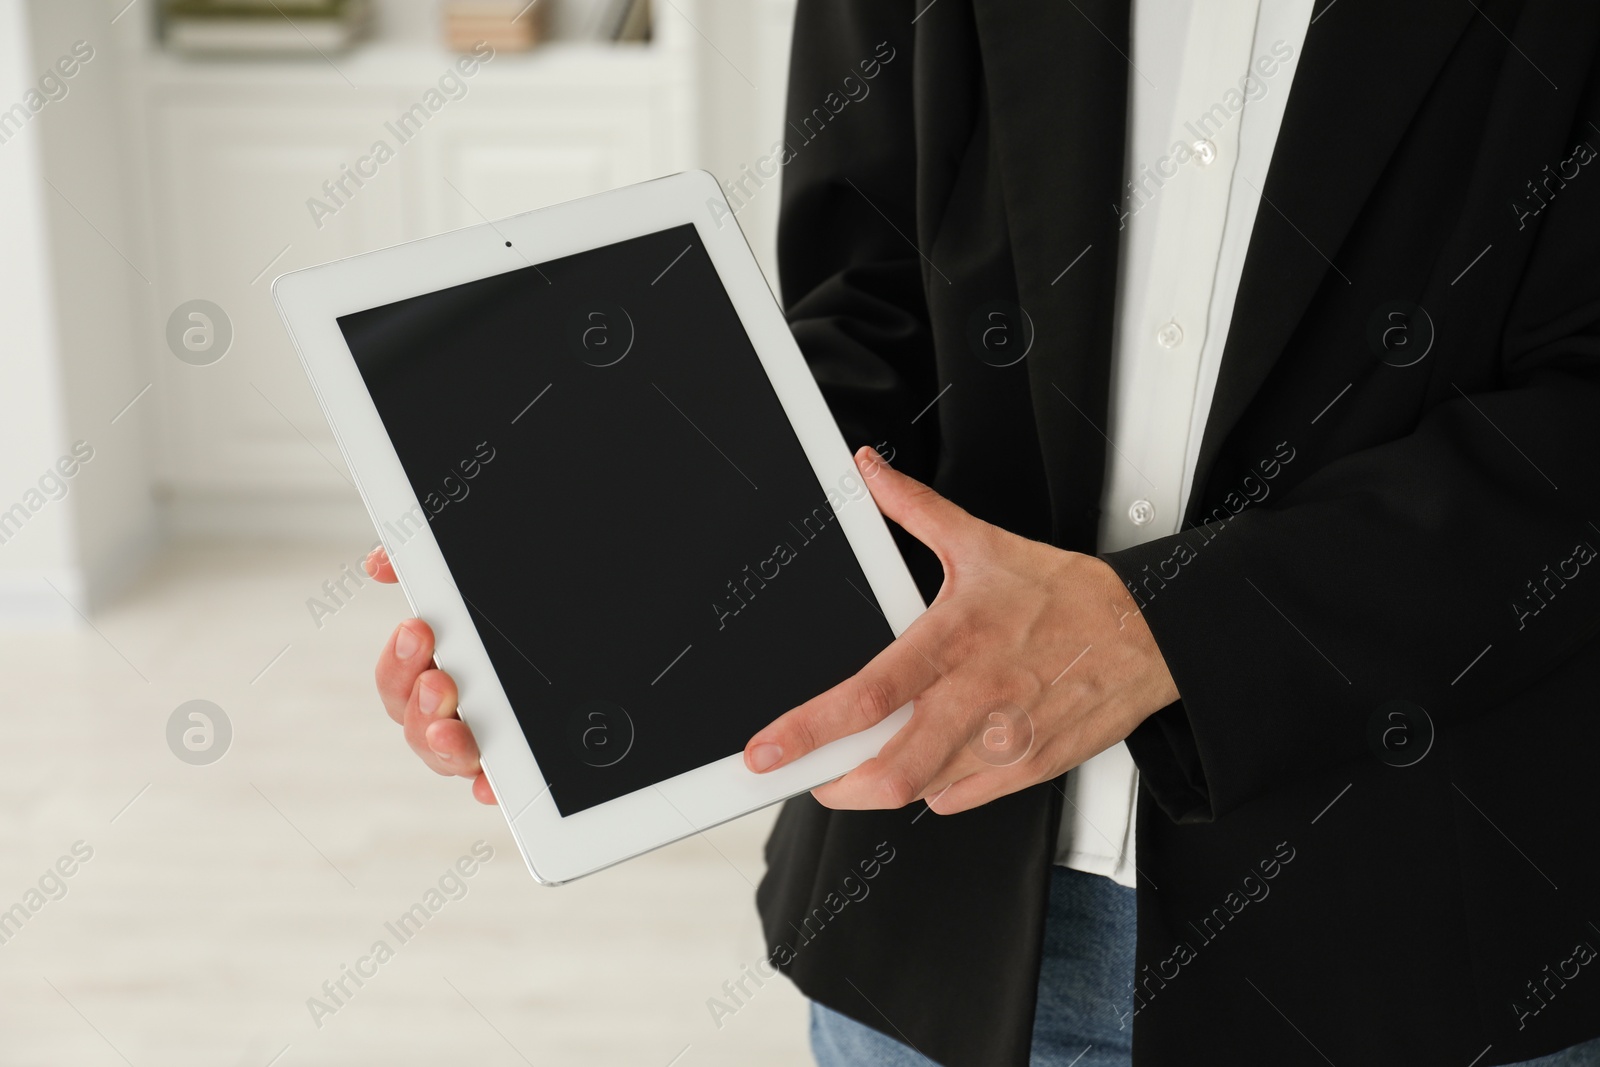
[(850, 276), (1453, 568)]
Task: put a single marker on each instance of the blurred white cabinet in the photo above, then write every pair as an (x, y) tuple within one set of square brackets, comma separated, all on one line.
[(231, 182), (237, 153)]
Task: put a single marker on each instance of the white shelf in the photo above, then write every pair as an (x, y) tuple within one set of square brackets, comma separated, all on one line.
[(379, 64)]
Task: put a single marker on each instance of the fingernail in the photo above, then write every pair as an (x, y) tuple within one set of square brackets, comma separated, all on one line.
[(405, 643), (428, 699), (764, 757), (370, 567), (442, 755)]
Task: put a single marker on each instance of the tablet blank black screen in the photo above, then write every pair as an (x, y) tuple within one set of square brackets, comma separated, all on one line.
[(642, 545)]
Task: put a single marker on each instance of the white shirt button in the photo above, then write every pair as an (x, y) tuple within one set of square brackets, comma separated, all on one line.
[(1170, 335), (1205, 152), (1141, 512)]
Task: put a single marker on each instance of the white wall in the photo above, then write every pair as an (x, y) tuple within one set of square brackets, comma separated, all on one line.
[(64, 302), (741, 98), (101, 275)]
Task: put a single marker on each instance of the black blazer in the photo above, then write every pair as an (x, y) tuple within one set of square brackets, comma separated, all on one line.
[(1398, 500)]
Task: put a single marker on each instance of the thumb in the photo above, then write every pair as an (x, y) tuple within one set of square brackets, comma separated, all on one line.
[(924, 514)]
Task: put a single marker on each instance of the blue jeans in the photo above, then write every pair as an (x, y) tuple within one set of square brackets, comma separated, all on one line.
[(1085, 1012)]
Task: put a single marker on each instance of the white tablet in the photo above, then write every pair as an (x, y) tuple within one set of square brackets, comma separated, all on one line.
[(608, 481)]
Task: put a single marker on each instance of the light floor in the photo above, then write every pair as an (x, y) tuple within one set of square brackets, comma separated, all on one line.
[(222, 897)]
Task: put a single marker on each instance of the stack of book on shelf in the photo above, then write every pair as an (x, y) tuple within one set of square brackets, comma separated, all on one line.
[(625, 20), (504, 25), (263, 27), (586, 20)]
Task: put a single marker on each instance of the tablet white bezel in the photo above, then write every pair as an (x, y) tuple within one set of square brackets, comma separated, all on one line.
[(558, 849)]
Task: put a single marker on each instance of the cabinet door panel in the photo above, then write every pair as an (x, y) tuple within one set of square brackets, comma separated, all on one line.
[(234, 186), (502, 161)]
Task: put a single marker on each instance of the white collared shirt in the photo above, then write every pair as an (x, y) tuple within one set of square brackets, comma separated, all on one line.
[(1208, 81)]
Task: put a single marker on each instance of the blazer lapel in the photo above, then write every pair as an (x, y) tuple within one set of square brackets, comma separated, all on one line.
[(1057, 79), (1363, 72)]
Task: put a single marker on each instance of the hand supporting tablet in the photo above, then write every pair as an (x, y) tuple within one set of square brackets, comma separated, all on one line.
[(1031, 660)]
